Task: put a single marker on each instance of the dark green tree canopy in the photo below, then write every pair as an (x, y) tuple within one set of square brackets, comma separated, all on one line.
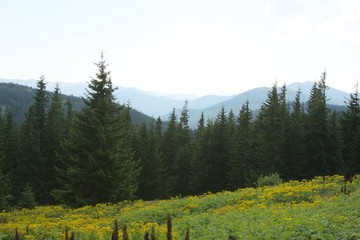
[(102, 153), (99, 162)]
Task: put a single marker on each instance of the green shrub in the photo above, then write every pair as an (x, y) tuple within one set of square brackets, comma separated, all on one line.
[(272, 179), (27, 198)]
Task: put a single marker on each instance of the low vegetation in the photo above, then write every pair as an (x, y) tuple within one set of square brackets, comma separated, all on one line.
[(322, 208), (59, 156), (79, 174)]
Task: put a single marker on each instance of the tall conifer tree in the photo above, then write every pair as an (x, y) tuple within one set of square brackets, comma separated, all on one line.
[(316, 131), (31, 166), (55, 130), (11, 151), (5, 187), (335, 161), (270, 133), (218, 153), (169, 147), (243, 164), (69, 117), (231, 146), (4, 177), (159, 159), (152, 162), (40, 105), (183, 154), (198, 165), (296, 143), (350, 124), (99, 163)]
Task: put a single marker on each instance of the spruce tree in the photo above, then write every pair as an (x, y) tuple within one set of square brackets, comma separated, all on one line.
[(99, 162), (130, 165), (11, 151), (335, 161), (241, 166), (5, 187), (159, 159), (142, 153), (183, 153), (270, 133), (152, 173), (198, 164), (316, 131), (2, 129), (40, 105), (4, 177), (350, 126), (218, 153), (259, 146), (27, 197), (55, 133), (32, 163), (284, 131), (231, 147), (295, 158), (169, 147), (69, 118), (10, 141)]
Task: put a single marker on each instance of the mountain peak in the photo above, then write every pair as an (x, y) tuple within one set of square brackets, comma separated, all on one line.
[(157, 104)]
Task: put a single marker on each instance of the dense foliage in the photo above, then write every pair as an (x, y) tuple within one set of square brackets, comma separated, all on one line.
[(96, 163), (97, 154), (19, 98), (323, 208)]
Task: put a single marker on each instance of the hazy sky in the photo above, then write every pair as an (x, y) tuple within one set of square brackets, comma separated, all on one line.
[(184, 46)]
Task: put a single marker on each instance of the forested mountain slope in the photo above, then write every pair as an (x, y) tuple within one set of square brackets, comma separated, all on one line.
[(19, 98), (57, 157)]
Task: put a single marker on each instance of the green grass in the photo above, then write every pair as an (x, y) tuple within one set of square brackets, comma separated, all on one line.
[(316, 209)]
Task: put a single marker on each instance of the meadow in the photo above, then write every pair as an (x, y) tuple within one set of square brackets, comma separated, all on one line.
[(322, 208)]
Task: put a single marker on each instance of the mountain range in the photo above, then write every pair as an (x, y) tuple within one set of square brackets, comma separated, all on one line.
[(150, 103), (157, 104), (19, 98)]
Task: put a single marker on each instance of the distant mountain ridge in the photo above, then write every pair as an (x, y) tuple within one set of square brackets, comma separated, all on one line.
[(257, 97), (149, 103), (19, 98), (157, 104)]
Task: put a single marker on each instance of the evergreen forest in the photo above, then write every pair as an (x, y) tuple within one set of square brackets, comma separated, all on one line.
[(97, 153)]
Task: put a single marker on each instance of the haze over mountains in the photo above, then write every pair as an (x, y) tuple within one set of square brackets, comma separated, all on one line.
[(157, 104), (150, 103)]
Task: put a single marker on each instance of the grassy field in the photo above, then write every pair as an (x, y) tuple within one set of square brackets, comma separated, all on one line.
[(323, 208)]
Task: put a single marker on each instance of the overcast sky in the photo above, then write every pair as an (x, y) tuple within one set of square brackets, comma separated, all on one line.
[(185, 46)]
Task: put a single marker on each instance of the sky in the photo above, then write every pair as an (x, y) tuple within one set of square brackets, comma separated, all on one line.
[(198, 47)]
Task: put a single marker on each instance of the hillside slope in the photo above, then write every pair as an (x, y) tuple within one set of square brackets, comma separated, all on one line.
[(150, 103), (323, 208), (257, 97), (19, 98)]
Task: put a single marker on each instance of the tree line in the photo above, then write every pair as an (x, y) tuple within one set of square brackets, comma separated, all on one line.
[(59, 156)]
